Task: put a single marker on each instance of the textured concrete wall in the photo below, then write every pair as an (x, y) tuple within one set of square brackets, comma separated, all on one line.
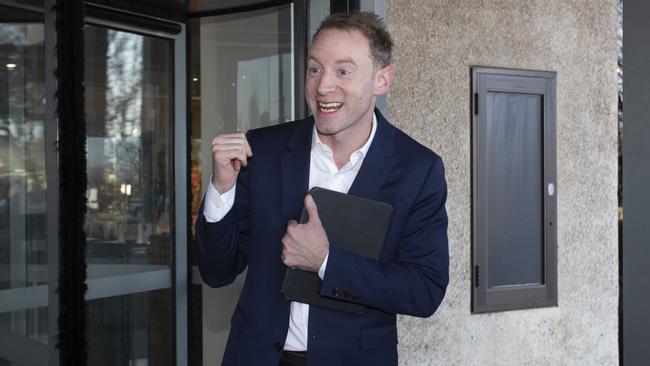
[(436, 43)]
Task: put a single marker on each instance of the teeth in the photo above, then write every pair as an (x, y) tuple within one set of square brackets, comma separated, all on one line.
[(329, 107)]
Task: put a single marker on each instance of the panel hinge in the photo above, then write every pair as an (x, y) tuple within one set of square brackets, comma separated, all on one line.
[(476, 103), (477, 275)]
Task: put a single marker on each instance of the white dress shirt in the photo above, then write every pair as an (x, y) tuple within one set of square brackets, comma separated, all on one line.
[(323, 173)]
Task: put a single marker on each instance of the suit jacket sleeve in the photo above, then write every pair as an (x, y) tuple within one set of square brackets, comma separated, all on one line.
[(221, 247), (414, 283)]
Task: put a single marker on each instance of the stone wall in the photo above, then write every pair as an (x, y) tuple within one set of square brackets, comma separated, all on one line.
[(436, 43)]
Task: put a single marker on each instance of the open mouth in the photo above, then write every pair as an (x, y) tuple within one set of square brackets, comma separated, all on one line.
[(329, 107)]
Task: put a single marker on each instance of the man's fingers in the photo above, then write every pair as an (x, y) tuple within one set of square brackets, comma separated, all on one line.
[(248, 149), (285, 253), (228, 154), (230, 142), (311, 208), (225, 146), (233, 138)]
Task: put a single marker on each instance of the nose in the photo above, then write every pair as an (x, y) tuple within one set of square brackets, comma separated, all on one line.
[(326, 83)]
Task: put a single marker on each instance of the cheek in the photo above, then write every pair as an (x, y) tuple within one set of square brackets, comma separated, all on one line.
[(311, 84), (360, 91)]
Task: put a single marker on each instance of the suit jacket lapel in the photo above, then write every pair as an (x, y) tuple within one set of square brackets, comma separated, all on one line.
[(376, 167), (377, 164), (295, 170)]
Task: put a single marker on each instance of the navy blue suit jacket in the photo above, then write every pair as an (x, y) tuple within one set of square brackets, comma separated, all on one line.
[(410, 277)]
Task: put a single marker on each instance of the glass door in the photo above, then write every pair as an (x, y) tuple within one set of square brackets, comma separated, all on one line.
[(247, 71), (24, 334), (135, 133), (242, 78)]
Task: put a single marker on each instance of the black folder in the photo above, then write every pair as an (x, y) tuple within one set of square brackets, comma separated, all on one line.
[(353, 223)]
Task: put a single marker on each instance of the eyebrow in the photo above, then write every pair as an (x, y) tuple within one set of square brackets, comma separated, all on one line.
[(338, 62), (346, 61)]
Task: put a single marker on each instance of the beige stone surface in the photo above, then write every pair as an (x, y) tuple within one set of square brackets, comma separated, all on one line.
[(436, 43)]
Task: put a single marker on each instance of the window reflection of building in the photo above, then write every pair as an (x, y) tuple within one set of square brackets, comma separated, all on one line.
[(127, 137), (128, 88), (23, 249)]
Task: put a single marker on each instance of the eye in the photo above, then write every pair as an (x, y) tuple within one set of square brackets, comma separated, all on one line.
[(313, 70), (344, 72)]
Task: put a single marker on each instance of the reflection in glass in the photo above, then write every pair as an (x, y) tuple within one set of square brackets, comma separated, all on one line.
[(22, 156), (128, 86), (128, 225), (246, 69), (23, 246), (318, 11), (242, 77), (21, 345), (134, 330)]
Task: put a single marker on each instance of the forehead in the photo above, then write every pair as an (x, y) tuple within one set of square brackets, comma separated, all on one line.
[(340, 43)]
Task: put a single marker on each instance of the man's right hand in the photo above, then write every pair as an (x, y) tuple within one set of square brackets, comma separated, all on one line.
[(229, 153)]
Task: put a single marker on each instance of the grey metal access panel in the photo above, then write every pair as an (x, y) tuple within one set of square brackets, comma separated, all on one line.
[(514, 189)]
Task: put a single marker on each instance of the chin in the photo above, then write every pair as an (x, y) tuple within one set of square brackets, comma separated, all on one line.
[(323, 130)]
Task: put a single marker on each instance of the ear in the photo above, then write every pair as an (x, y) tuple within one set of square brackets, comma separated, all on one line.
[(383, 80)]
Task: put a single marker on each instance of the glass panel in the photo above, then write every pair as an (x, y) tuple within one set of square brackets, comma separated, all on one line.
[(28, 345), (129, 100), (128, 96), (35, 323), (133, 330), (514, 189), (318, 11), (246, 69), (23, 245), (242, 77)]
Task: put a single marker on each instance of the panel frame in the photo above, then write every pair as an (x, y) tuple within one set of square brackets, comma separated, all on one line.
[(177, 277), (484, 80)]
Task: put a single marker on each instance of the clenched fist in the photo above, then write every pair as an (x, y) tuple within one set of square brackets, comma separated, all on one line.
[(229, 153)]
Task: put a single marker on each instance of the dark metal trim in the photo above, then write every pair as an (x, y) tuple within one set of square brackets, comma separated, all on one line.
[(513, 72), (132, 19), (52, 178), (301, 42), (27, 6), (344, 6), (240, 9), (21, 14), (180, 168), (71, 287)]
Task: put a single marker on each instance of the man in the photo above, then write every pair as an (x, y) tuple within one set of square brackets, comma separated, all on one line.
[(258, 190)]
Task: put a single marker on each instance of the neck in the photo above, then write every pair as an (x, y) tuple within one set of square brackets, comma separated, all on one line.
[(344, 144)]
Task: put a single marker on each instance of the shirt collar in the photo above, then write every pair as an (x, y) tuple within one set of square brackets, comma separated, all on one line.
[(356, 155)]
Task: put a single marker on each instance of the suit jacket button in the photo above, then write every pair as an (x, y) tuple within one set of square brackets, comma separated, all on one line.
[(277, 346)]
